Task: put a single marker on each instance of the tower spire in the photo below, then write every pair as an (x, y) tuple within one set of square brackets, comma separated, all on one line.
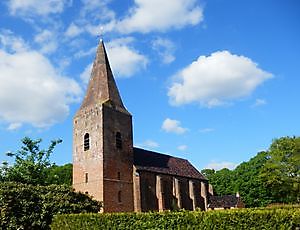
[(102, 87)]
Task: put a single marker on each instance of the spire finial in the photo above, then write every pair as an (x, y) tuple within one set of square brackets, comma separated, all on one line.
[(101, 34)]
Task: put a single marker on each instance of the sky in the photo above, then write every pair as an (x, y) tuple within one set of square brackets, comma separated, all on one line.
[(210, 81)]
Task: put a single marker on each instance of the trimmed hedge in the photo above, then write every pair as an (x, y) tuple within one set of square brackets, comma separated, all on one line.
[(32, 207), (225, 219)]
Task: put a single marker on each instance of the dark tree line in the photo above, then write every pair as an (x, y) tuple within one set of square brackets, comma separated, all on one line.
[(271, 176)]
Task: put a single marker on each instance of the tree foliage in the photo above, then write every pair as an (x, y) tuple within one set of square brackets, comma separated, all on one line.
[(25, 206), (59, 174), (272, 176), (281, 173), (30, 162)]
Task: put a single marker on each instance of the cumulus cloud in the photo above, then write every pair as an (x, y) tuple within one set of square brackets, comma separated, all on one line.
[(14, 126), (165, 49), (216, 79), (36, 7), (182, 147), (12, 43), (259, 102), (206, 130), (156, 15), (221, 165), (86, 74), (47, 41), (148, 144), (73, 30), (173, 126), (124, 59), (31, 90), (84, 53)]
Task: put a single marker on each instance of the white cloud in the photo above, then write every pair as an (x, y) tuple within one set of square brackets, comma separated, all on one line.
[(259, 102), (173, 126), (156, 15), (47, 41), (206, 130), (73, 30), (148, 144), (82, 53), (11, 42), (165, 49), (182, 147), (216, 79), (86, 74), (36, 7), (96, 9), (220, 165), (14, 126), (124, 59), (32, 91)]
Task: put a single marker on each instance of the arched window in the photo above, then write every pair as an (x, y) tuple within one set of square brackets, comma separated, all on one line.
[(119, 197), (86, 142), (118, 140)]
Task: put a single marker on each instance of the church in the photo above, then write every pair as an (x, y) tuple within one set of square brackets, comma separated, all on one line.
[(109, 168)]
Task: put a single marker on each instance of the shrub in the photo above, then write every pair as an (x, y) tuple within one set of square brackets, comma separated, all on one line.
[(32, 207), (226, 219)]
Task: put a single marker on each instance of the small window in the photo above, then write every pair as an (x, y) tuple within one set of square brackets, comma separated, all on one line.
[(86, 177), (119, 176), (119, 197), (118, 140), (86, 142)]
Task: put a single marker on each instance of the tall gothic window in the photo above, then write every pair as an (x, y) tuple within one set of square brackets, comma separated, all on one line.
[(118, 140), (86, 142)]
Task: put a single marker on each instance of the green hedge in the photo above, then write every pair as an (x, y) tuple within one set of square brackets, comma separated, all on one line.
[(32, 207), (227, 219)]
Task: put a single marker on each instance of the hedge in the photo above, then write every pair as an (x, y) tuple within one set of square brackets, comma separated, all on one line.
[(225, 219), (32, 207)]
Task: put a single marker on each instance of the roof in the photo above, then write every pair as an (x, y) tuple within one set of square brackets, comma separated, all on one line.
[(223, 201), (145, 160), (102, 87)]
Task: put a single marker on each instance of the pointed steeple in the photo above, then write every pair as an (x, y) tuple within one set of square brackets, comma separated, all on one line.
[(102, 87)]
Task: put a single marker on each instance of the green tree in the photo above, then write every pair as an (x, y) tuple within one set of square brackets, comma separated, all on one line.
[(26, 206), (281, 173), (30, 163), (59, 174), (249, 184), (221, 180)]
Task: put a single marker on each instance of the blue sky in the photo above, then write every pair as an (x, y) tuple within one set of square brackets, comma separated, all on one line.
[(211, 81)]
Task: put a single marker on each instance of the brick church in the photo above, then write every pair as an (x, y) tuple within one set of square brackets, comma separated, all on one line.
[(108, 167)]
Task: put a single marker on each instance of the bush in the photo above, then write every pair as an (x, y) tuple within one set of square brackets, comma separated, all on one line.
[(226, 219), (32, 207)]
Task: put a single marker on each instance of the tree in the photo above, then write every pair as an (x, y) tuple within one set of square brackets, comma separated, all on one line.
[(249, 184), (221, 180), (30, 162), (25, 206), (271, 176), (59, 174), (281, 173)]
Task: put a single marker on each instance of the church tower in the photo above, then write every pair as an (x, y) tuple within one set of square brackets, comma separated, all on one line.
[(102, 141)]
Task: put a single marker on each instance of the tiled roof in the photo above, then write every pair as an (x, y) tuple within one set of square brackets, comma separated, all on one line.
[(145, 160), (225, 201)]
